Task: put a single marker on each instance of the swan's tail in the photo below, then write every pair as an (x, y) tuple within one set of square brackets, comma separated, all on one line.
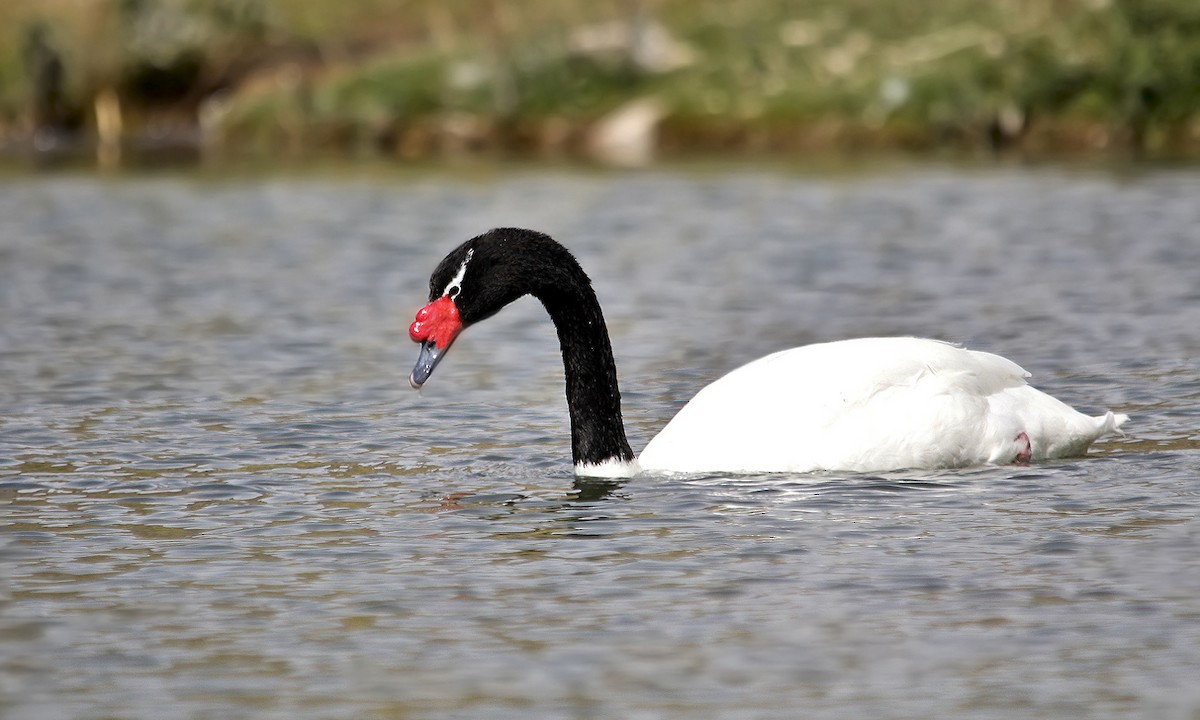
[(1111, 422), (1077, 434)]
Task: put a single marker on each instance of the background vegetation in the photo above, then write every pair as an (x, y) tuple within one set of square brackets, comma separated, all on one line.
[(428, 77)]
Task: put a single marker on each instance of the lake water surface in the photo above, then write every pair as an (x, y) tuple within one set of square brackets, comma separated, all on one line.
[(219, 498)]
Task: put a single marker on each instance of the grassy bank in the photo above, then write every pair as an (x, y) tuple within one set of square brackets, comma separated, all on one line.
[(424, 77)]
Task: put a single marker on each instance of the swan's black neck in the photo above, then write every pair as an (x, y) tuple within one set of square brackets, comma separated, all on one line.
[(593, 397), (502, 265)]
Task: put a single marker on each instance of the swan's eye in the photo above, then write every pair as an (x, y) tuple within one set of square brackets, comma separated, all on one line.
[(453, 291)]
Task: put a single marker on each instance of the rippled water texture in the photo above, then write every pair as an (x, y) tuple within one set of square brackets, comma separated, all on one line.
[(221, 499)]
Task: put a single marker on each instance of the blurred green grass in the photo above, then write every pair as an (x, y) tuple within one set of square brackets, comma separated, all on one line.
[(424, 76)]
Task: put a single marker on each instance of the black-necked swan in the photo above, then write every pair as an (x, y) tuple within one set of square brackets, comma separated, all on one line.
[(865, 405)]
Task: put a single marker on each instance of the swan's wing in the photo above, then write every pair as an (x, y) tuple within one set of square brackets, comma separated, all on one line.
[(855, 404)]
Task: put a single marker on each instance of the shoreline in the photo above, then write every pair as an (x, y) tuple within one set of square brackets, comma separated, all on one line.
[(556, 142), (620, 82)]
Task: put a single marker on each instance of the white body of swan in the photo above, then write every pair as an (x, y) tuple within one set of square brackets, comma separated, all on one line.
[(871, 404)]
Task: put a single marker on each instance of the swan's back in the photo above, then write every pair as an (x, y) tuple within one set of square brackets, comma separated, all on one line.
[(870, 404)]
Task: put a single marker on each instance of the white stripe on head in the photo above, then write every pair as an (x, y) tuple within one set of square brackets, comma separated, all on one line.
[(456, 281)]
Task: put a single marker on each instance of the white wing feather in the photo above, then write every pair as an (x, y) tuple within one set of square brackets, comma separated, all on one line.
[(869, 404)]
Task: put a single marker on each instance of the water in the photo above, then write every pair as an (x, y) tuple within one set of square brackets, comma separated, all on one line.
[(221, 499)]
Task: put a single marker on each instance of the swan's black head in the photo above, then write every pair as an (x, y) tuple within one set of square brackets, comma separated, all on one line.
[(488, 272), (480, 277)]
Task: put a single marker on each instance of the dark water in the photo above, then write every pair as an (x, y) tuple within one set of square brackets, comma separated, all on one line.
[(219, 498)]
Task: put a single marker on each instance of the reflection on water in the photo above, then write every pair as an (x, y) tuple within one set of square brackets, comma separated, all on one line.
[(220, 496)]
